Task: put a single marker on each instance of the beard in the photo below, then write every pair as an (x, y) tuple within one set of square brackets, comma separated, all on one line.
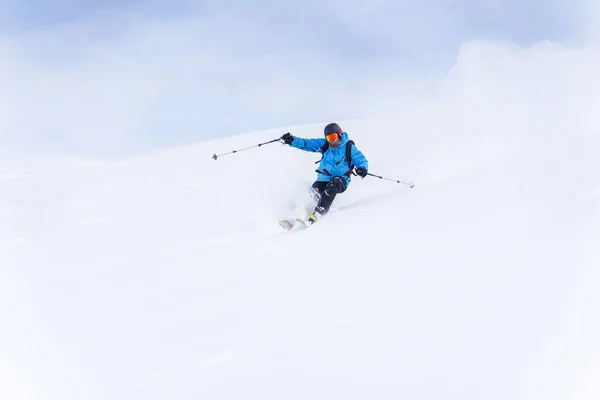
[(335, 144)]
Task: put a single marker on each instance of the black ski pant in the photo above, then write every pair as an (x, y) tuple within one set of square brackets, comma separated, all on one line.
[(325, 192)]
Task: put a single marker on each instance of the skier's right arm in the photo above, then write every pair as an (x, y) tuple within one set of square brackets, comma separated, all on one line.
[(312, 145)]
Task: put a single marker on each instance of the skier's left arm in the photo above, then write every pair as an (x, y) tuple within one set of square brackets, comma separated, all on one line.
[(360, 162)]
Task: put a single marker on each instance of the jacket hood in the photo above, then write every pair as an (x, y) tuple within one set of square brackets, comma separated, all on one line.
[(345, 139)]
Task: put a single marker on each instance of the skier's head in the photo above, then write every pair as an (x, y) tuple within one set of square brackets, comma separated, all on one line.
[(333, 134)]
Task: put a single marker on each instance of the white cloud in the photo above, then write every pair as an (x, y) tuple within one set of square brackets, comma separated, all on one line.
[(120, 82), (169, 78), (11, 386), (589, 16)]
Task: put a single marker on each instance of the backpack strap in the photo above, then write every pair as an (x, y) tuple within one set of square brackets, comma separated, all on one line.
[(349, 157)]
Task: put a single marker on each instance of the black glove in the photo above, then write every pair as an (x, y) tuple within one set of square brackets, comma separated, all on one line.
[(287, 138), (362, 172)]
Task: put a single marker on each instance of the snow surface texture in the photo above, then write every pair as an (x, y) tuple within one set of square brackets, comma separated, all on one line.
[(167, 276)]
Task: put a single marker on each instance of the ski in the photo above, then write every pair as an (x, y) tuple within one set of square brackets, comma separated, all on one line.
[(287, 225), (290, 224), (302, 222)]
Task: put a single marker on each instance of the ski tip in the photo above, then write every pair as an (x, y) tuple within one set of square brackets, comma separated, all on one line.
[(301, 221), (286, 224), (291, 224)]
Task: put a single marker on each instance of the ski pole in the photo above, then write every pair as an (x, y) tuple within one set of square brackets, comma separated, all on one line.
[(410, 184), (215, 156)]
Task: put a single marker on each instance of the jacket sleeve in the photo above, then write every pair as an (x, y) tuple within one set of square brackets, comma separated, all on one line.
[(312, 145), (359, 159)]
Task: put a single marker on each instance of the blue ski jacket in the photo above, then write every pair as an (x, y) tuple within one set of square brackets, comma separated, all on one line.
[(334, 159)]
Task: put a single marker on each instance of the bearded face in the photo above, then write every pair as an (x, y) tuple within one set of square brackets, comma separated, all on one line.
[(334, 139)]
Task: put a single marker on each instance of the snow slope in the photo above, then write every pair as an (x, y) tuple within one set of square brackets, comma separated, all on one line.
[(166, 276)]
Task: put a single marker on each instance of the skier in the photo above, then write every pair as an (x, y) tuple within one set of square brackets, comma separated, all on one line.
[(334, 169)]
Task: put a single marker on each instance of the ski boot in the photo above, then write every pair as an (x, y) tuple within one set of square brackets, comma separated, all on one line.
[(314, 217)]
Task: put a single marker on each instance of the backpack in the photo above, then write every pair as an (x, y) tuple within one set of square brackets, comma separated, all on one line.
[(349, 144)]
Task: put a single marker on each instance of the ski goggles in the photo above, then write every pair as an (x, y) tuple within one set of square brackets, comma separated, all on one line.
[(332, 137)]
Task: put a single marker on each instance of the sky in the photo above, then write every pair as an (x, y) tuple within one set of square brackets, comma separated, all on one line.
[(108, 78)]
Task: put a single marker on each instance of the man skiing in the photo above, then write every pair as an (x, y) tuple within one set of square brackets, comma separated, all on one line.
[(340, 156)]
